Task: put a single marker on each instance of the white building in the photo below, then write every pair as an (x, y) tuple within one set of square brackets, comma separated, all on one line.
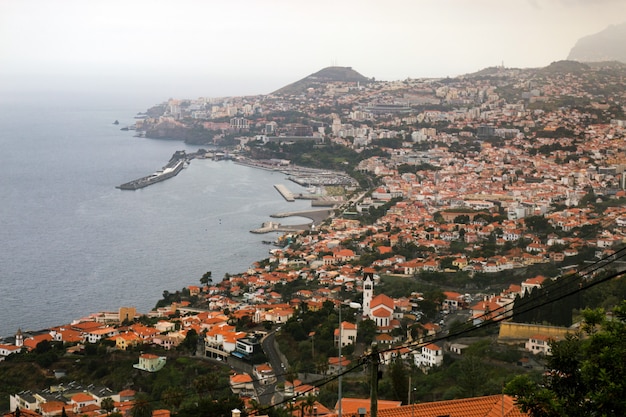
[(348, 334), (431, 356), (537, 344)]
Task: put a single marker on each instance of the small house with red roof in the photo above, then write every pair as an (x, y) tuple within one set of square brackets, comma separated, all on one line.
[(348, 334), (430, 356), (81, 400), (150, 363), (241, 384)]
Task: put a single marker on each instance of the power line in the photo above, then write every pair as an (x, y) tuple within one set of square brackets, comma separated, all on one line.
[(503, 315)]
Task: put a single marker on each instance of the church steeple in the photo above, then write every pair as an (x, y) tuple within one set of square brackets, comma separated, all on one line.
[(368, 290), (19, 339)]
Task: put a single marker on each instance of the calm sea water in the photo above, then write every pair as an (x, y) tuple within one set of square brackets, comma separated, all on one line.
[(73, 244)]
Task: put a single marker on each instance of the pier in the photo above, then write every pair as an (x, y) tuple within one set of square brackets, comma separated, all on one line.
[(269, 227), (287, 195), (173, 167)]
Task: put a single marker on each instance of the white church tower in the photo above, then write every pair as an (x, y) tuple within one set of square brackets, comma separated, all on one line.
[(19, 338), (368, 290)]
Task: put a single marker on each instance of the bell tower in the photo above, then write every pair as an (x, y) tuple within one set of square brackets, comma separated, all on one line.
[(19, 338), (368, 290)]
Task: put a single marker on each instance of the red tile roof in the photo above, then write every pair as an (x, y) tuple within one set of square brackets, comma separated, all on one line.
[(489, 406)]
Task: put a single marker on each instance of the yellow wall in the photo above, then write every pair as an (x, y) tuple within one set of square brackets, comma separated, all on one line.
[(510, 332), (127, 313)]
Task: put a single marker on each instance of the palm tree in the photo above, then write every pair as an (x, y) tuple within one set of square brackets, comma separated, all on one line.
[(290, 407), (309, 403), (142, 407)]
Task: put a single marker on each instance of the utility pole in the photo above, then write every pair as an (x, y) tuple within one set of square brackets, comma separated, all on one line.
[(374, 383), (340, 370), (408, 398)]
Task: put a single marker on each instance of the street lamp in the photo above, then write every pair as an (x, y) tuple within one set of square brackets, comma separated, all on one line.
[(355, 306)]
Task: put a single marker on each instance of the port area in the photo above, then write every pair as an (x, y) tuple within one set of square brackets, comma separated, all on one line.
[(316, 216), (176, 163), (287, 195)]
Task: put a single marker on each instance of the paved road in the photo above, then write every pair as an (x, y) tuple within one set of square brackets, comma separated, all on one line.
[(274, 358)]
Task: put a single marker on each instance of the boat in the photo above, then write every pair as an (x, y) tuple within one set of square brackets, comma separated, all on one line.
[(117, 122)]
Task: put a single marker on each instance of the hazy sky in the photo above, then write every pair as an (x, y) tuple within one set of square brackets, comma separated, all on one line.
[(197, 48)]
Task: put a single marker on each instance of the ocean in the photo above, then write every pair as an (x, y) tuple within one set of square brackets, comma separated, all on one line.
[(73, 244)]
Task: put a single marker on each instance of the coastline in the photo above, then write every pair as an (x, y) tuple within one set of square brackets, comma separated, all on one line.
[(316, 216)]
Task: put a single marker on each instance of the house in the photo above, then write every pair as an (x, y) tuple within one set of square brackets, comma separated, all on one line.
[(81, 400), (458, 348), (488, 406), (297, 389), (348, 334), (264, 374), (241, 384), (125, 340), (246, 347), (54, 408), (453, 301), (352, 405), (6, 350), (149, 362), (430, 356), (532, 283), (95, 335), (31, 343), (539, 344), (334, 365), (167, 342)]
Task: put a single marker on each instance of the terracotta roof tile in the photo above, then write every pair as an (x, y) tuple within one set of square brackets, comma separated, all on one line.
[(489, 406)]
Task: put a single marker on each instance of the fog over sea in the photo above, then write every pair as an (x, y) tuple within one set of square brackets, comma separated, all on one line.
[(73, 244)]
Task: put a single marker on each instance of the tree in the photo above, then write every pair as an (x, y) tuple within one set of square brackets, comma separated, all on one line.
[(586, 373), (190, 344), (472, 375), (309, 404), (204, 383), (366, 331), (107, 405), (399, 380), (206, 278), (172, 397), (142, 407)]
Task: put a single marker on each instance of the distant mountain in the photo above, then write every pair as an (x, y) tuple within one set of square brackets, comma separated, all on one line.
[(608, 45), (324, 76)]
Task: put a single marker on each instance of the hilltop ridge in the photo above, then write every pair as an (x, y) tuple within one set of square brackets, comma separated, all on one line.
[(323, 76)]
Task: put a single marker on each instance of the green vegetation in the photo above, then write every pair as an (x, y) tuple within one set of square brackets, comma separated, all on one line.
[(193, 377), (586, 373)]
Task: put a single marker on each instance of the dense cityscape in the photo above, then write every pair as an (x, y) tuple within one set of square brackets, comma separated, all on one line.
[(471, 260)]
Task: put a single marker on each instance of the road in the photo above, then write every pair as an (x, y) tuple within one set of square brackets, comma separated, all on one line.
[(268, 343)]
